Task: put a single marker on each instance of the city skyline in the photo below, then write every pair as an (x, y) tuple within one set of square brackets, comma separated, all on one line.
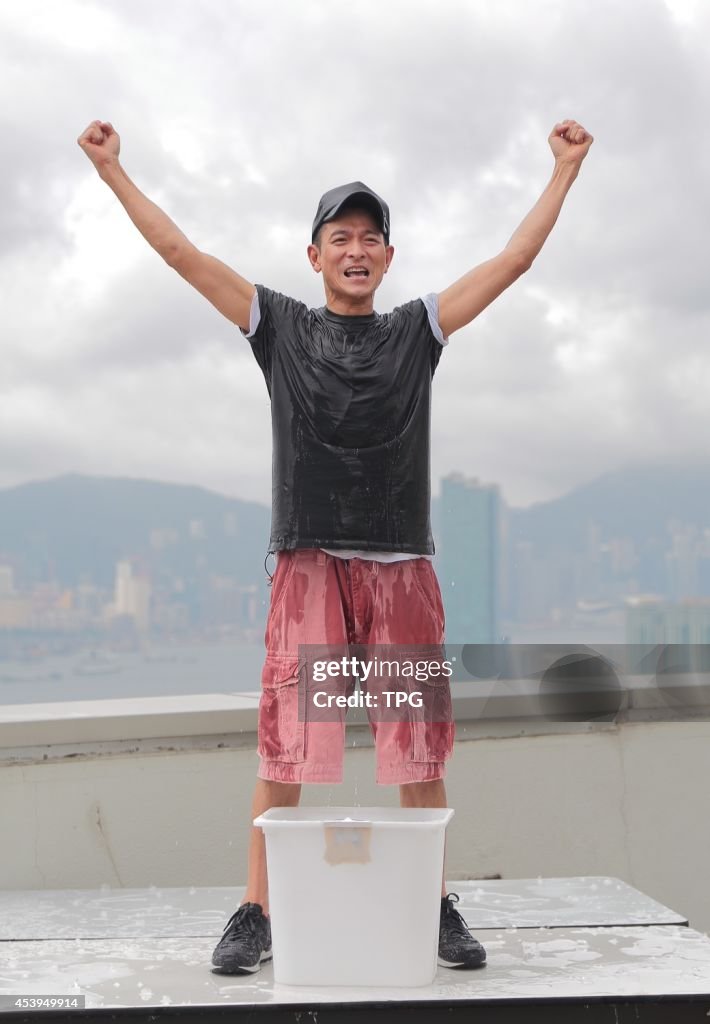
[(160, 564)]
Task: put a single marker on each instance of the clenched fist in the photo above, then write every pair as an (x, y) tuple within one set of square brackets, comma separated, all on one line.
[(569, 142), (100, 143)]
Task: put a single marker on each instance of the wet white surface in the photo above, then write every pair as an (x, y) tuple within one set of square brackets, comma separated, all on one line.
[(193, 912), (556, 902), (523, 963), (153, 947), (117, 913)]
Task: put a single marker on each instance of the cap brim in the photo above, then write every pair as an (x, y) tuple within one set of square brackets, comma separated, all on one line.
[(356, 199)]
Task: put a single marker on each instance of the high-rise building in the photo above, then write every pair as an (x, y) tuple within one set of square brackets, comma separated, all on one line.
[(7, 581), (132, 594), (683, 561), (468, 559)]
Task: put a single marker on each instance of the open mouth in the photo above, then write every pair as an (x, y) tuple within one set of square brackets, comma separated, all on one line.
[(357, 272)]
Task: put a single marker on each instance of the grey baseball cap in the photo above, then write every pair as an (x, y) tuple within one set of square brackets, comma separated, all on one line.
[(354, 194)]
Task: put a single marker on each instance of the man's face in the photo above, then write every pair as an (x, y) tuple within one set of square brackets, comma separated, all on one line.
[(353, 258)]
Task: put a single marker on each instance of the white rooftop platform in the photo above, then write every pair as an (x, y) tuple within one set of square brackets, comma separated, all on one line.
[(559, 949)]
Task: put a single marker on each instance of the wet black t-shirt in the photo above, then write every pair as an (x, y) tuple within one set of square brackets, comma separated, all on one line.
[(350, 412)]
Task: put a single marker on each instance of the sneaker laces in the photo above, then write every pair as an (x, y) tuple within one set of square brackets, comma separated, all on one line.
[(449, 911), (243, 920)]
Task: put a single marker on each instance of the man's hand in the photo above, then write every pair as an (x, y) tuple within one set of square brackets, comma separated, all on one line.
[(468, 296), (569, 143), (228, 292), (100, 143)]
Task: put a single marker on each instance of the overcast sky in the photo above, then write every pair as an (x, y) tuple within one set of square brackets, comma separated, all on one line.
[(235, 116)]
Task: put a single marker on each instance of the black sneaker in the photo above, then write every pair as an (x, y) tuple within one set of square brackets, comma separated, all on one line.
[(245, 943), (457, 947)]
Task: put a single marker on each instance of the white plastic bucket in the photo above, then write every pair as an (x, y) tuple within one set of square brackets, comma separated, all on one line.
[(355, 893)]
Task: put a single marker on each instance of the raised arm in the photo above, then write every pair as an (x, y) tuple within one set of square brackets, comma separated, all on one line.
[(467, 297), (225, 289)]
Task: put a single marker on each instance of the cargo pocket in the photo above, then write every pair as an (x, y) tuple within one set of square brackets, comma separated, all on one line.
[(432, 741), (433, 728), (282, 726)]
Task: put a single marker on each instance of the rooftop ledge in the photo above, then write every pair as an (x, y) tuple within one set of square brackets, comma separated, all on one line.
[(487, 707)]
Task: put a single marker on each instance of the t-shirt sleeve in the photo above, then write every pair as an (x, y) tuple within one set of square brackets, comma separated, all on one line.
[(423, 325), (254, 316), (431, 301), (270, 313)]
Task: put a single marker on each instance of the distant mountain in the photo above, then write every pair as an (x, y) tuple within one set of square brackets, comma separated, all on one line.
[(639, 503), (636, 501), (73, 528)]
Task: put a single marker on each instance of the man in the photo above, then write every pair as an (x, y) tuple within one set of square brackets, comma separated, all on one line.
[(350, 397)]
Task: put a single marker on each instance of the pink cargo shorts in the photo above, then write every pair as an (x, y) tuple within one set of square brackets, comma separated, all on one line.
[(317, 598)]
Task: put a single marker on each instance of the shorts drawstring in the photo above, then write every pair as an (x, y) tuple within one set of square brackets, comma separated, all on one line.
[(270, 575)]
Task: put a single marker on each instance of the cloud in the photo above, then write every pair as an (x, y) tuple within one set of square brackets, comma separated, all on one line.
[(235, 117)]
